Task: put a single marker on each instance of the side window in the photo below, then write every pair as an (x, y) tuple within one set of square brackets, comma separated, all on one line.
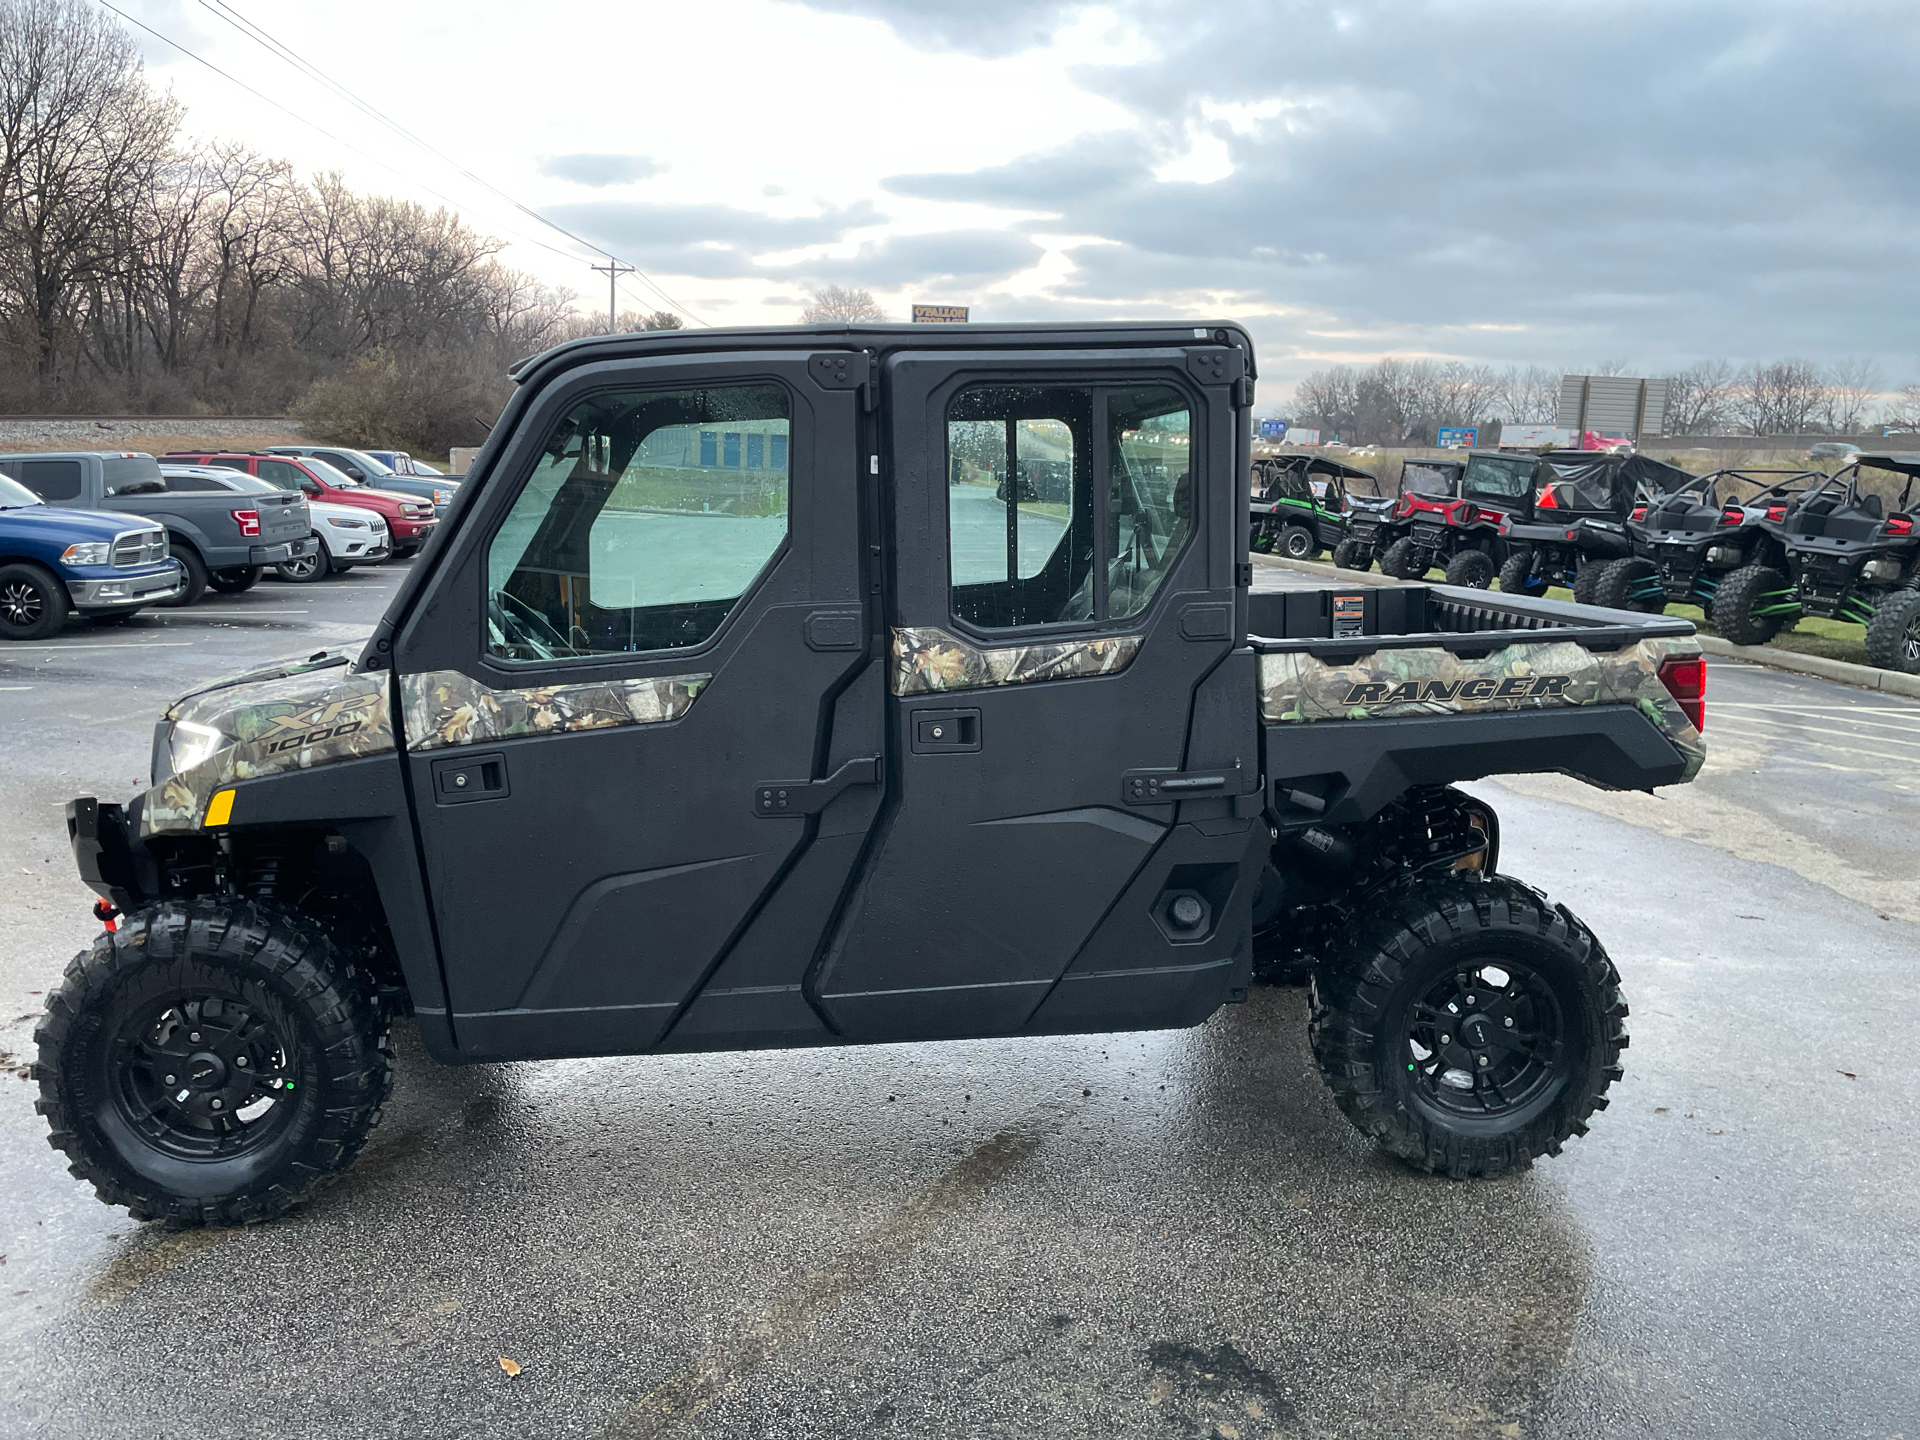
[(280, 474), (1020, 514), (52, 479), (1033, 537), (628, 536), (192, 485)]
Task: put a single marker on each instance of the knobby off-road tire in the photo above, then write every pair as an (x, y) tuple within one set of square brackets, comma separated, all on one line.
[(1353, 555), (1435, 954), (1517, 577), (1471, 568), (1618, 580), (1398, 561), (1739, 595), (1585, 581), (1297, 543), (275, 1047), (1893, 635)]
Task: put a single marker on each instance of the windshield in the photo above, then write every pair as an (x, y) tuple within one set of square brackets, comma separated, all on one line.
[(1509, 479), (375, 468), (327, 475), (12, 493)]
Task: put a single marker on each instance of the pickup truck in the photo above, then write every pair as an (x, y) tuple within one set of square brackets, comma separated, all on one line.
[(735, 711), (217, 542), (409, 521), (56, 561)]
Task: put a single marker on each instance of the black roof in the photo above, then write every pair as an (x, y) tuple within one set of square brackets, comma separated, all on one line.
[(1904, 464)]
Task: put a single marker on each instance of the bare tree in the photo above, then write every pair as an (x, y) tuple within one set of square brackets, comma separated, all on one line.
[(1852, 388), (1783, 397), (838, 303), (1528, 397), (1903, 412), (1700, 398)]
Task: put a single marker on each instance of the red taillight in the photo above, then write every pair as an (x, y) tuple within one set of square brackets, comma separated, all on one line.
[(1776, 513), (1899, 524), (1639, 512), (1404, 508), (1462, 513), (1546, 500), (248, 521), (1686, 680), (1733, 515)]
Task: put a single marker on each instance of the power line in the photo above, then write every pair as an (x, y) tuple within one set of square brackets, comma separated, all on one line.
[(260, 36)]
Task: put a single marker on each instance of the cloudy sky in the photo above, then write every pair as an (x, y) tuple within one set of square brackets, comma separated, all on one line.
[(1518, 181)]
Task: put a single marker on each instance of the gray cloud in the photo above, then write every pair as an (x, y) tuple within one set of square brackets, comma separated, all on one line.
[(600, 170), (713, 241), (964, 257), (1639, 178)]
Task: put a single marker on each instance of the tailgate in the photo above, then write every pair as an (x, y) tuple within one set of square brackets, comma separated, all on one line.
[(282, 517)]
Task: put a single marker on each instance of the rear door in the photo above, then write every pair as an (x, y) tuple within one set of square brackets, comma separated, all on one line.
[(1062, 676), (642, 707)]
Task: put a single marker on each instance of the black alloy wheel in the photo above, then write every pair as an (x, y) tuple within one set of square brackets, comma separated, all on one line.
[(33, 605), (1893, 635), (1297, 543), (1485, 1040), (201, 1076)]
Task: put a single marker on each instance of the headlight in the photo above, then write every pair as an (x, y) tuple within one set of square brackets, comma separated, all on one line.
[(92, 552), (440, 497), (340, 524), (189, 744)]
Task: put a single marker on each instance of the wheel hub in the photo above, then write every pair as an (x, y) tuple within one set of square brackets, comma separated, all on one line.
[(1484, 1040), (21, 603), (202, 1077)]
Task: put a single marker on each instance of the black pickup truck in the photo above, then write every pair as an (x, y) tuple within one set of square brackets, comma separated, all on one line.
[(219, 542), (831, 743)]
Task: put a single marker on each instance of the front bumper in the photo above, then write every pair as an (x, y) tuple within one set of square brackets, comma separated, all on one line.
[(124, 592), (411, 532)]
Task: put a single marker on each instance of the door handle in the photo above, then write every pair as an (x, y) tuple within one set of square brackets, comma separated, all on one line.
[(463, 779), (778, 799)]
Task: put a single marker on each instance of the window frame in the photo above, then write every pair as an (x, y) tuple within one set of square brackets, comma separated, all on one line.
[(1100, 463), (556, 407)]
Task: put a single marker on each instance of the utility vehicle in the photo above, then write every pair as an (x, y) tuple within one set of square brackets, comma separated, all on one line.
[(1851, 554), (1577, 523), (654, 755), (1460, 530), (1300, 508), (1371, 524), (1685, 543)]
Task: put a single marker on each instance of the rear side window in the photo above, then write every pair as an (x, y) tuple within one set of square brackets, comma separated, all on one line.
[(1065, 503), (193, 485), (52, 479), (130, 474), (280, 474), (1505, 479), (643, 525)]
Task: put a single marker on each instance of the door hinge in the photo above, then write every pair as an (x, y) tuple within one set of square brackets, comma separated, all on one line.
[(1243, 575), (777, 799)]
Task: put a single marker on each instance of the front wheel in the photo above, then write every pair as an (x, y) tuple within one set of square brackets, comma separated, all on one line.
[(1398, 561), (1472, 569), (33, 604), (1472, 1027), (235, 579), (1751, 604), (1630, 584), (1517, 577), (1586, 581), (211, 1062), (1893, 635), (1353, 555)]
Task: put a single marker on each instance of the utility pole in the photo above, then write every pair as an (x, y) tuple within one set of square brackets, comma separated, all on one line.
[(613, 270)]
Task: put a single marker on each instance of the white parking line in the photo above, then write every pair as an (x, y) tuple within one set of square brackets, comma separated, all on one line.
[(16, 687)]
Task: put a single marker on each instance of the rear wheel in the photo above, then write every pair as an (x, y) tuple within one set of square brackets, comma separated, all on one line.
[(1471, 568), (306, 568), (1398, 561), (1893, 635), (1751, 604), (1630, 584), (1585, 581), (1472, 1027), (211, 1062), (196, 578), (235, 579), (1297, 542), (33, 605), (1517, 577), (1353, 555)]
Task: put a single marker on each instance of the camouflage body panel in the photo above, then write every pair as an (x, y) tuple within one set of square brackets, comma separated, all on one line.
[(929, 661), (443, 708), (1296, 686), (299, 716)]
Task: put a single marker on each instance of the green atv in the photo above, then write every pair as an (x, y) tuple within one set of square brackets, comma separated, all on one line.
[(1299, 505)]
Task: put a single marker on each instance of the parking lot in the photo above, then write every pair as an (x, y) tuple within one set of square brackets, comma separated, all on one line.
[(1173, 1233)]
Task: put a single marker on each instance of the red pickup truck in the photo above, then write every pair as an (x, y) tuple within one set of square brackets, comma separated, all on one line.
[(409, 520)]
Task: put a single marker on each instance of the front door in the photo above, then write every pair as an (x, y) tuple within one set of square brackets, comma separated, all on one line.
[(1072, 726), (642, 707)]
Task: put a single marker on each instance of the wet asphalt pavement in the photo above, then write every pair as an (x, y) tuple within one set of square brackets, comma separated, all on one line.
[(1165, 1234)]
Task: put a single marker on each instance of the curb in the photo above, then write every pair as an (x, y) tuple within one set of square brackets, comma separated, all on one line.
[(1890, 682)]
